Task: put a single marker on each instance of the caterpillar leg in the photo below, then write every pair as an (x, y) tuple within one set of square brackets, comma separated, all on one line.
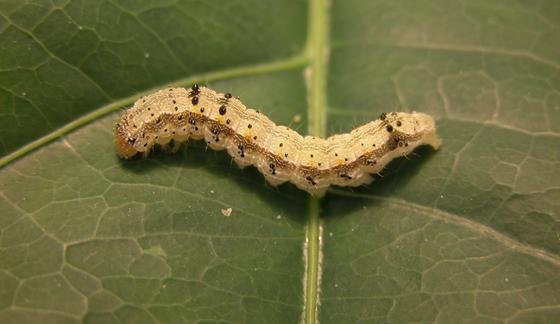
[(172, 147)]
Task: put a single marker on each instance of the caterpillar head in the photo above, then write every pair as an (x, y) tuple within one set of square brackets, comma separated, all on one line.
[(125, 143)]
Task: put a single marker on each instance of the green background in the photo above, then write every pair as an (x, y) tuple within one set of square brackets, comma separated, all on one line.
[(469, 233)]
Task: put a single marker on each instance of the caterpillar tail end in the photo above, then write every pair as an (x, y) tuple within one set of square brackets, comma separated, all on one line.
[(430, 136), (433, 140)]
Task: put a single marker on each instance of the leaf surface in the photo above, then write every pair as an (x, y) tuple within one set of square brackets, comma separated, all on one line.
[(466, 234)]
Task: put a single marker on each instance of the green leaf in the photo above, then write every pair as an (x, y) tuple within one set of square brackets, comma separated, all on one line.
[(469, 233)]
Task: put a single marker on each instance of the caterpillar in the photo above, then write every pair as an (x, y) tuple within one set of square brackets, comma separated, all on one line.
[(171, 116)]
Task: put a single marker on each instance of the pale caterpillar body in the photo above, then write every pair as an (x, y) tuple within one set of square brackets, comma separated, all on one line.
[(280, 154)]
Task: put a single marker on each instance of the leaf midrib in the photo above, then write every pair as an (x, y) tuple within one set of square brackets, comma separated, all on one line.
[(317, 100)]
